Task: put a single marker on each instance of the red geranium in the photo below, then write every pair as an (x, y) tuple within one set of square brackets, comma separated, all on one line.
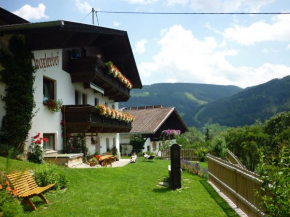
[(45, 139)]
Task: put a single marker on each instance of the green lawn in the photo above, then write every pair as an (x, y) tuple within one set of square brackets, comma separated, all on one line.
[(127, 191)]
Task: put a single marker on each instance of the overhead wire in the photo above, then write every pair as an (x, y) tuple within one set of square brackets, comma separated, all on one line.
[(97, 17), (194, 13), (85, 17)]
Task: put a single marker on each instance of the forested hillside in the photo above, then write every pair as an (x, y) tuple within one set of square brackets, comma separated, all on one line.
[(244, 108), (185, 97)]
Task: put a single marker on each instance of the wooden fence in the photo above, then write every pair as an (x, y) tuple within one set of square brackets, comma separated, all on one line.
[(234, 160), (237, 183), (185, 154)]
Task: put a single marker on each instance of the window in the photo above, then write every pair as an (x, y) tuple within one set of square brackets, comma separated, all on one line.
[(50, 145), (148, 148), (76, 97), (48, 89), (113, 106), (106, 104), (85, 99), (114, 142), (96, 101)]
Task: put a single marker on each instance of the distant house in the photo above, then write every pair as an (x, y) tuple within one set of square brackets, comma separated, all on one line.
[(151, 122), (71, 61)]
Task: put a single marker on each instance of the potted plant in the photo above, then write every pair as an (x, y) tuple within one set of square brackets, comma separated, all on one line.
[(93, 161)]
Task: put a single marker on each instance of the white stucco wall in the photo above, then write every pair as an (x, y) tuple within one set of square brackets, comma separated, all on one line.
[(46, 121), (125, 139)]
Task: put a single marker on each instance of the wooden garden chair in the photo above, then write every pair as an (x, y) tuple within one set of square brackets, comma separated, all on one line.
[(27, 187)]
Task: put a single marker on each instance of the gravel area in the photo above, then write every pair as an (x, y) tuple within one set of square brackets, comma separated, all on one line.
[(120, 163)]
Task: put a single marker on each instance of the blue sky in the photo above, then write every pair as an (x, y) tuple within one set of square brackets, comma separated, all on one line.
[(242, 50)]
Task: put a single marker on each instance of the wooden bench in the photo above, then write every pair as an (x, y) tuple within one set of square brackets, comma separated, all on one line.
[(27, 187)]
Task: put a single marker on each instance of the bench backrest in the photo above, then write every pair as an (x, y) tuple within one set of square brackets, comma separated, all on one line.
[(23, 181)]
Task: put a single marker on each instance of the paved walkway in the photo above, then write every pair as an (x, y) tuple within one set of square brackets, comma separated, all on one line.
[(120, 163)]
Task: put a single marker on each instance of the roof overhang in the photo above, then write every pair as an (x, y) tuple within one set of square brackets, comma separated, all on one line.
[(66, 34)]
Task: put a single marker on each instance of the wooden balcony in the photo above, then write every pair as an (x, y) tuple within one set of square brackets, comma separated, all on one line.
[(93, 70), (86, 118)]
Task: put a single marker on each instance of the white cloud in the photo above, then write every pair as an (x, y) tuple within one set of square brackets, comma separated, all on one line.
[(171, 80), (187, 59), (288, 46), (140, 46), (29, 13), (116, 23), (83, 6), (142, 2), (260, 31), (223, 5)]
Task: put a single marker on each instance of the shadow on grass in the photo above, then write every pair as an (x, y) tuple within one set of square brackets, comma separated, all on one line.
[(220, 201), (162, 189)]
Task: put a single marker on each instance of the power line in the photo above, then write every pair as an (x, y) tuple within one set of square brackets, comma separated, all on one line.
[(193, 13), (97, 18), (85, 17)]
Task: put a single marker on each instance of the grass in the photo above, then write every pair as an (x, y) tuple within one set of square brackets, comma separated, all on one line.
[(127, 191)]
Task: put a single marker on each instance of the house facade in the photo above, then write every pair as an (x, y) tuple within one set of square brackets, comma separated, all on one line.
[(155, 124), (71, 68)]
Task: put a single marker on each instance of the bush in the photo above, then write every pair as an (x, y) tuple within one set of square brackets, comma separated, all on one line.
[(137, 143), (201, 153), (4, 150), (219, 147), (275, 175), (9, 205), (150, 153), (48, 174)]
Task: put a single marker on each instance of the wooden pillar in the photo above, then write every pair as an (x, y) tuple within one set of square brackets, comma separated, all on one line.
[(175, 166)]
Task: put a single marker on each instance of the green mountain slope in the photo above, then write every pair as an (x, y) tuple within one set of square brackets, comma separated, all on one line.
[(185, 97), (255, 103)]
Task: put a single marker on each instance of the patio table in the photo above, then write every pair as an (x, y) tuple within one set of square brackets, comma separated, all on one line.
[(106, 159)]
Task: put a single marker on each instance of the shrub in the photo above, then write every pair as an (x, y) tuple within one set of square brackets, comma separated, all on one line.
[(4, 150), (219, 147), (47, 174), (201, 153), (137, 143), (150, 153), (9, 205), (275, 175)]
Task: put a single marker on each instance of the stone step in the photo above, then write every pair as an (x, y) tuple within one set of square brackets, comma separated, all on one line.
[(50, 152)]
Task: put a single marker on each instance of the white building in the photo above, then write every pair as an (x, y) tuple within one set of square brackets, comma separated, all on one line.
[(71, 67)]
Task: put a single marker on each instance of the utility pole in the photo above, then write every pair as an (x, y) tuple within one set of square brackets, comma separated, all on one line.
[(93, 13)]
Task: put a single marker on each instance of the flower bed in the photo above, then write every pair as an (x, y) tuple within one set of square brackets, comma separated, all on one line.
[(115, 72), (114, 114), (194, 168)]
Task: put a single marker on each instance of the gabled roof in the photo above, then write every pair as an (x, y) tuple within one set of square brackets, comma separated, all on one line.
[(150, 119), (66, 34), (7, 18)]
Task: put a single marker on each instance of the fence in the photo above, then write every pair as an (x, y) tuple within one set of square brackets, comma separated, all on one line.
[(234, 160), (185, 154), (237, 183)]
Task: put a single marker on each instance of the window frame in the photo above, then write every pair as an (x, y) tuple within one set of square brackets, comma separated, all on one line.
[(50, 81), (54, 141)]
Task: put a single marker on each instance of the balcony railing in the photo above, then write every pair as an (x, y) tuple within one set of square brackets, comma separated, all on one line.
[(86, 118), (93, 70)]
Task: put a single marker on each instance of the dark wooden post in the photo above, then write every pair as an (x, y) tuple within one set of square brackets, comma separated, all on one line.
[(175, 166)]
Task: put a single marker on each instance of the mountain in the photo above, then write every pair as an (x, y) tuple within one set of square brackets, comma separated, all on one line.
[(244, 108), (185, 97)]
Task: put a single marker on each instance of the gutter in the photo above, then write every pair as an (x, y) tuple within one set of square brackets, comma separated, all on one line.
[(31, 25)]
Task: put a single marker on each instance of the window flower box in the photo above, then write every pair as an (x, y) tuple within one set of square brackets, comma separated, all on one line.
[(53, 105)]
